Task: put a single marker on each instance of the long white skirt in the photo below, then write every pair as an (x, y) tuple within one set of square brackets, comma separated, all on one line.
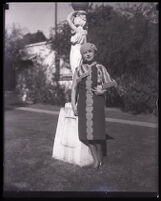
[(67, 146)]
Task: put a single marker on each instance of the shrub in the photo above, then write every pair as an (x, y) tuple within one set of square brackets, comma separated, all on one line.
[(32, 81), (113, 99), (139, 97)]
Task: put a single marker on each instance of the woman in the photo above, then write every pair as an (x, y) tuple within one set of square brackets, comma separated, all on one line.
[(77, 22), (90, 81)]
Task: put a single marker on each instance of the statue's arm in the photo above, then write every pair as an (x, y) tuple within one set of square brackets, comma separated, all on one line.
[(85, 40), (70, 19)]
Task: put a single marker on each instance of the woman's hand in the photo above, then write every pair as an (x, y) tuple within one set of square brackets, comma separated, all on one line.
[(98, 91)]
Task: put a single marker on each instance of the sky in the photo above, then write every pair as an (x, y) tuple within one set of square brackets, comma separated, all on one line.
[(37, 16)]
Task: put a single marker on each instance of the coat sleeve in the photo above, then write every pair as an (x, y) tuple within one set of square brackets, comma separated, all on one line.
[(107, 82)]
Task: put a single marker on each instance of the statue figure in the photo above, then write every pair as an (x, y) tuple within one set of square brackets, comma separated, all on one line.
[(78, 24)]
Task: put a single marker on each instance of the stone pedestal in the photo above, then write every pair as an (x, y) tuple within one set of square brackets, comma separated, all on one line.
[(67, 146)]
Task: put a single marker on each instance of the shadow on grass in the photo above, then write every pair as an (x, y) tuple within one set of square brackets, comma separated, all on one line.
[(108, 137), (104, 145)]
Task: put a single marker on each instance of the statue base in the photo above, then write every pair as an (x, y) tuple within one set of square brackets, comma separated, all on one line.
[(67, 146)]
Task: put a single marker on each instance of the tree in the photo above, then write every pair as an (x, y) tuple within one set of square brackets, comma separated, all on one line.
[(30, 38), (148, 10), (142, 93), (62, 42), (13, 43)]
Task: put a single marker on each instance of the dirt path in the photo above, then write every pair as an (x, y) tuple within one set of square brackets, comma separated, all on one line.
[(114, 120)]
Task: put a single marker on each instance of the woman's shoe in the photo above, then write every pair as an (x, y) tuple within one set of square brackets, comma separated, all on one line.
[(99, 165), (96, 166)]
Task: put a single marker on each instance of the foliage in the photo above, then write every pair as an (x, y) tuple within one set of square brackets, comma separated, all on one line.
[(15, 40), (32, 82), (128, 47), (30, 38), (13, 43), (139, 96), (113, 98), (61, 41), (148, 10)]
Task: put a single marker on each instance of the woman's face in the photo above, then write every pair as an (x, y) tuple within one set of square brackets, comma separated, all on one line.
[(88, 55)]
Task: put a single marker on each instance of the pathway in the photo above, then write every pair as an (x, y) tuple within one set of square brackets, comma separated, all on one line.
[(113, 120)]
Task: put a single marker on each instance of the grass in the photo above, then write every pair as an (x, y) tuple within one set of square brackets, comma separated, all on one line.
[(118, 114), (131, 164), (110, 113)]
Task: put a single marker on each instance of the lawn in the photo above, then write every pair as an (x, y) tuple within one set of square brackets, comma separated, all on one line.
[(131, 163), (110, 113)]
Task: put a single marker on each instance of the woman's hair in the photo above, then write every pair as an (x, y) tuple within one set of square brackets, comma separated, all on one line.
[(88, 46)]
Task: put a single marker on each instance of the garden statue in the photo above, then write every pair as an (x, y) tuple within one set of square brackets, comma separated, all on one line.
[(67, 146), (78, 24)]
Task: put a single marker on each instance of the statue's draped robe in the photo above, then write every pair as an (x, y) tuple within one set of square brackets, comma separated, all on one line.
[(78, 38)]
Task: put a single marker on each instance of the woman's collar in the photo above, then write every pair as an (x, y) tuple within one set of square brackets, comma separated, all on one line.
[(90, 65)]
